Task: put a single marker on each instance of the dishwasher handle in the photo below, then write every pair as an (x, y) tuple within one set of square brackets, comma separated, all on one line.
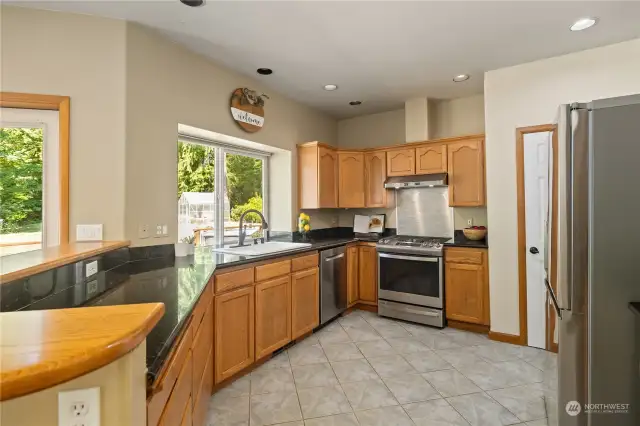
[(337, 256)]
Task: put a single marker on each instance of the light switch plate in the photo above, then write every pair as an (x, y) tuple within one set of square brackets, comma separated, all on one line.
[(143, 231), (89, 232), (79, 407)]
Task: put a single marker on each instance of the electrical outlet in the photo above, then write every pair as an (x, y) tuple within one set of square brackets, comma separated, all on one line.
[(89, 232), (165, 230), (158, 231), (91, 268), (469, 222), (79, 407), (143, 231)]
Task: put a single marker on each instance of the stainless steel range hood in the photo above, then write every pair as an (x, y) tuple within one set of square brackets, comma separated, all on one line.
[(416, 181)]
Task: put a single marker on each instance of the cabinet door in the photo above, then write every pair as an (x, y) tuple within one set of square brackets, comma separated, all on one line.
[(352, 275), (351, 178), (327, 178), (401, 162), (375, 173), (466, 173), (234, 338), (368, 275), (465, 292), (305, 302), (273, 315), (431, 159)]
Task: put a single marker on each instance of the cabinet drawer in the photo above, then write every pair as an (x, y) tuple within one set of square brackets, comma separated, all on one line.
[(180, 396), (202, 345), (460, 255), (201, 401), (156, 403), (304, 262), (272, 270), (201, 308), (186, 416), (235, 279)]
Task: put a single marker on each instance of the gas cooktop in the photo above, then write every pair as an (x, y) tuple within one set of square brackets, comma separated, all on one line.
[(428, 246)]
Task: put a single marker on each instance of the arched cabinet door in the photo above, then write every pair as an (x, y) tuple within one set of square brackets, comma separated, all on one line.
[(466, 173), (431, 159), (401, 162), (351, 178), (375, 173)]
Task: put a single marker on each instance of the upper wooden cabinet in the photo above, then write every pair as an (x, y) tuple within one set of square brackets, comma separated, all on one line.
[(466, 173), (351, 177), (467, 285), (375, 173), (431, 159), (401, 162), (317, 176), (234, 332), (273, 315), (305, 301)]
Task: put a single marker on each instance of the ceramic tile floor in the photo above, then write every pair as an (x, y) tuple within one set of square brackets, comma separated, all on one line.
[(367, 370)]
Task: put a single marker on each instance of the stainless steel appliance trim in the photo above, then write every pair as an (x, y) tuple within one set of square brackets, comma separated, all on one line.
[(553, 299), (333, 283), (416, 299), (413, 258), (337, 256), (421, 315)]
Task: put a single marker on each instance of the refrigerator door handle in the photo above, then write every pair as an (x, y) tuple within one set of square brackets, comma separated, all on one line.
[(553, 298)]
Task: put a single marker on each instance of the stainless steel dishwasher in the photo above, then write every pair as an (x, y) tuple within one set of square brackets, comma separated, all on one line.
[(333, 283)]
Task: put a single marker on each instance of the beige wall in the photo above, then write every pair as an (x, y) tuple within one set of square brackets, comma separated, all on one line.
[(82, 57), (187, 88), (385, 128), (527, 95), (123, 396), (456, 117)]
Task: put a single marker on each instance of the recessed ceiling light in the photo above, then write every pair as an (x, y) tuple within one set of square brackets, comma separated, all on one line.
[(193, 3), (355, 103), (461, 77), (583, 24), (264, 71), (330, 87)]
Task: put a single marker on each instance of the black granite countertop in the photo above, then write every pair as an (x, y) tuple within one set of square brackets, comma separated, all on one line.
[(459, 240)]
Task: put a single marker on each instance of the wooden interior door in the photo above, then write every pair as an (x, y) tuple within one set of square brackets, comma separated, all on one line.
[(352, 274), (368, 274), (273, 315), (466, 173), (401, 162), (375, 173), (234, 332), (431, 159), (327, 178), (465, 292), (305, 302), (351, 178)]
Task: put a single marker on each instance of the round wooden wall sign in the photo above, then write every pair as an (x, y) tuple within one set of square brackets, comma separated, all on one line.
[(247, 109)]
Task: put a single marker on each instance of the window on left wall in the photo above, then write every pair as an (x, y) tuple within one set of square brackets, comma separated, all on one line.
[(29, 184), (217, 183)]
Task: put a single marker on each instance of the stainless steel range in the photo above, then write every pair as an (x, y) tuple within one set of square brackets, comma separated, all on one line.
[(410, 265)]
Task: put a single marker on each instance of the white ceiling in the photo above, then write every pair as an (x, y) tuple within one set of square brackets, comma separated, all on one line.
[(378, 52)]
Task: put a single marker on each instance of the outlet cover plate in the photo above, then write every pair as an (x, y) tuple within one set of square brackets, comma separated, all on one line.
[(91, 268), (79, 407)]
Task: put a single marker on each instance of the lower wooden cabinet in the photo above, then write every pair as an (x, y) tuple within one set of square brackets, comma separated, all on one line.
[(273, 315), (201, 399), (186, 416), (368, 274), (180, 398), (467, 285), (352, 274), (305, 302), (234, 332)]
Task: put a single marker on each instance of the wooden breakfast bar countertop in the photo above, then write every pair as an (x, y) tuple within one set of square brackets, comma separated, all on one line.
[(41, 349)]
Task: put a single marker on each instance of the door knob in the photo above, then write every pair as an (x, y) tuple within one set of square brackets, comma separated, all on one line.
[(534, 250)]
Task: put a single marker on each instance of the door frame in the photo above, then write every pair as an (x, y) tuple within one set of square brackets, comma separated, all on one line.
[(62, 105), (522, 234)]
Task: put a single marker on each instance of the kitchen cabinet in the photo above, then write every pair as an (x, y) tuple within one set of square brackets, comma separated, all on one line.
[(234, 332), (467, 285), (465, 165), (273, 315), (431, 159), (305, 302), (375, 173), (368, 275), (401, 162), (352, 274), (180, 399), (201, 350), (317, 176), (351, 179)]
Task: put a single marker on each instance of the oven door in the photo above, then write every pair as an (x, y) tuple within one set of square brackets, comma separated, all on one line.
[(410, 279)]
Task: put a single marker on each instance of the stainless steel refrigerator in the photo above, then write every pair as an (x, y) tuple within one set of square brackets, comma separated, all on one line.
[(598, 270)]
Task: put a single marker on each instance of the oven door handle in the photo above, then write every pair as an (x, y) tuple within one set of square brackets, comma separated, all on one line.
[(413, 258)]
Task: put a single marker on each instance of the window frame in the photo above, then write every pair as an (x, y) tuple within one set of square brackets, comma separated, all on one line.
[(61, 104), (221, 149)]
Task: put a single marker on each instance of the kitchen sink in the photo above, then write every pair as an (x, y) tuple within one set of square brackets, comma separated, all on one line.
[(261, 249)]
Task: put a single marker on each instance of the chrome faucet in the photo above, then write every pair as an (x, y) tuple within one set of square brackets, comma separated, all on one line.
[(242, 233)]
